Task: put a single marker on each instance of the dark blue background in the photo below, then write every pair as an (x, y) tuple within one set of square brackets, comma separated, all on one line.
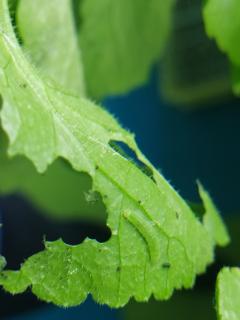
[(88, 310)]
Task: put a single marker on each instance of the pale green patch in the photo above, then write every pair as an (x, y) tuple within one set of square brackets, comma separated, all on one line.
[(120, 41), (228, 294), (157, 244), (48, 32)]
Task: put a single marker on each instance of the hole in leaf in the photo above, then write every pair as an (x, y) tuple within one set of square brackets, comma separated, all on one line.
[(198, 209), (129, 154), (13, 7)]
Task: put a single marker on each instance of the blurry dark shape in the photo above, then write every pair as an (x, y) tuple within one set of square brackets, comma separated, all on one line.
[(24, 230), (0, 232), (193, 70), (230, 256), (87, 310)]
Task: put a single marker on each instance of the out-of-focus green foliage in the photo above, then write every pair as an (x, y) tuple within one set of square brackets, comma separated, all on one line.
[(120, 41), (228, 294), (222, 21)]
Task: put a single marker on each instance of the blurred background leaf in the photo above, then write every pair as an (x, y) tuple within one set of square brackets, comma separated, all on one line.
[(120, 42), (61, 192), (222, 23), (47, 29)]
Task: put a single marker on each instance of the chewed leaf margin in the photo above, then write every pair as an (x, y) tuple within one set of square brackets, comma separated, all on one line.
[(128, 36)]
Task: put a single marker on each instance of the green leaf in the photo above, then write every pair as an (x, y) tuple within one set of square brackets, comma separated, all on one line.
[(49, 36), (222, 20), (60, 192), (120, 41), (228, 294), (16, 281), (157, 244)]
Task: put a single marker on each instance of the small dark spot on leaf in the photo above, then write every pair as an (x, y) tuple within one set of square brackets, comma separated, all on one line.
[(118, 269), (177, 215), (166, 265), (23, 85), (97, 167)]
